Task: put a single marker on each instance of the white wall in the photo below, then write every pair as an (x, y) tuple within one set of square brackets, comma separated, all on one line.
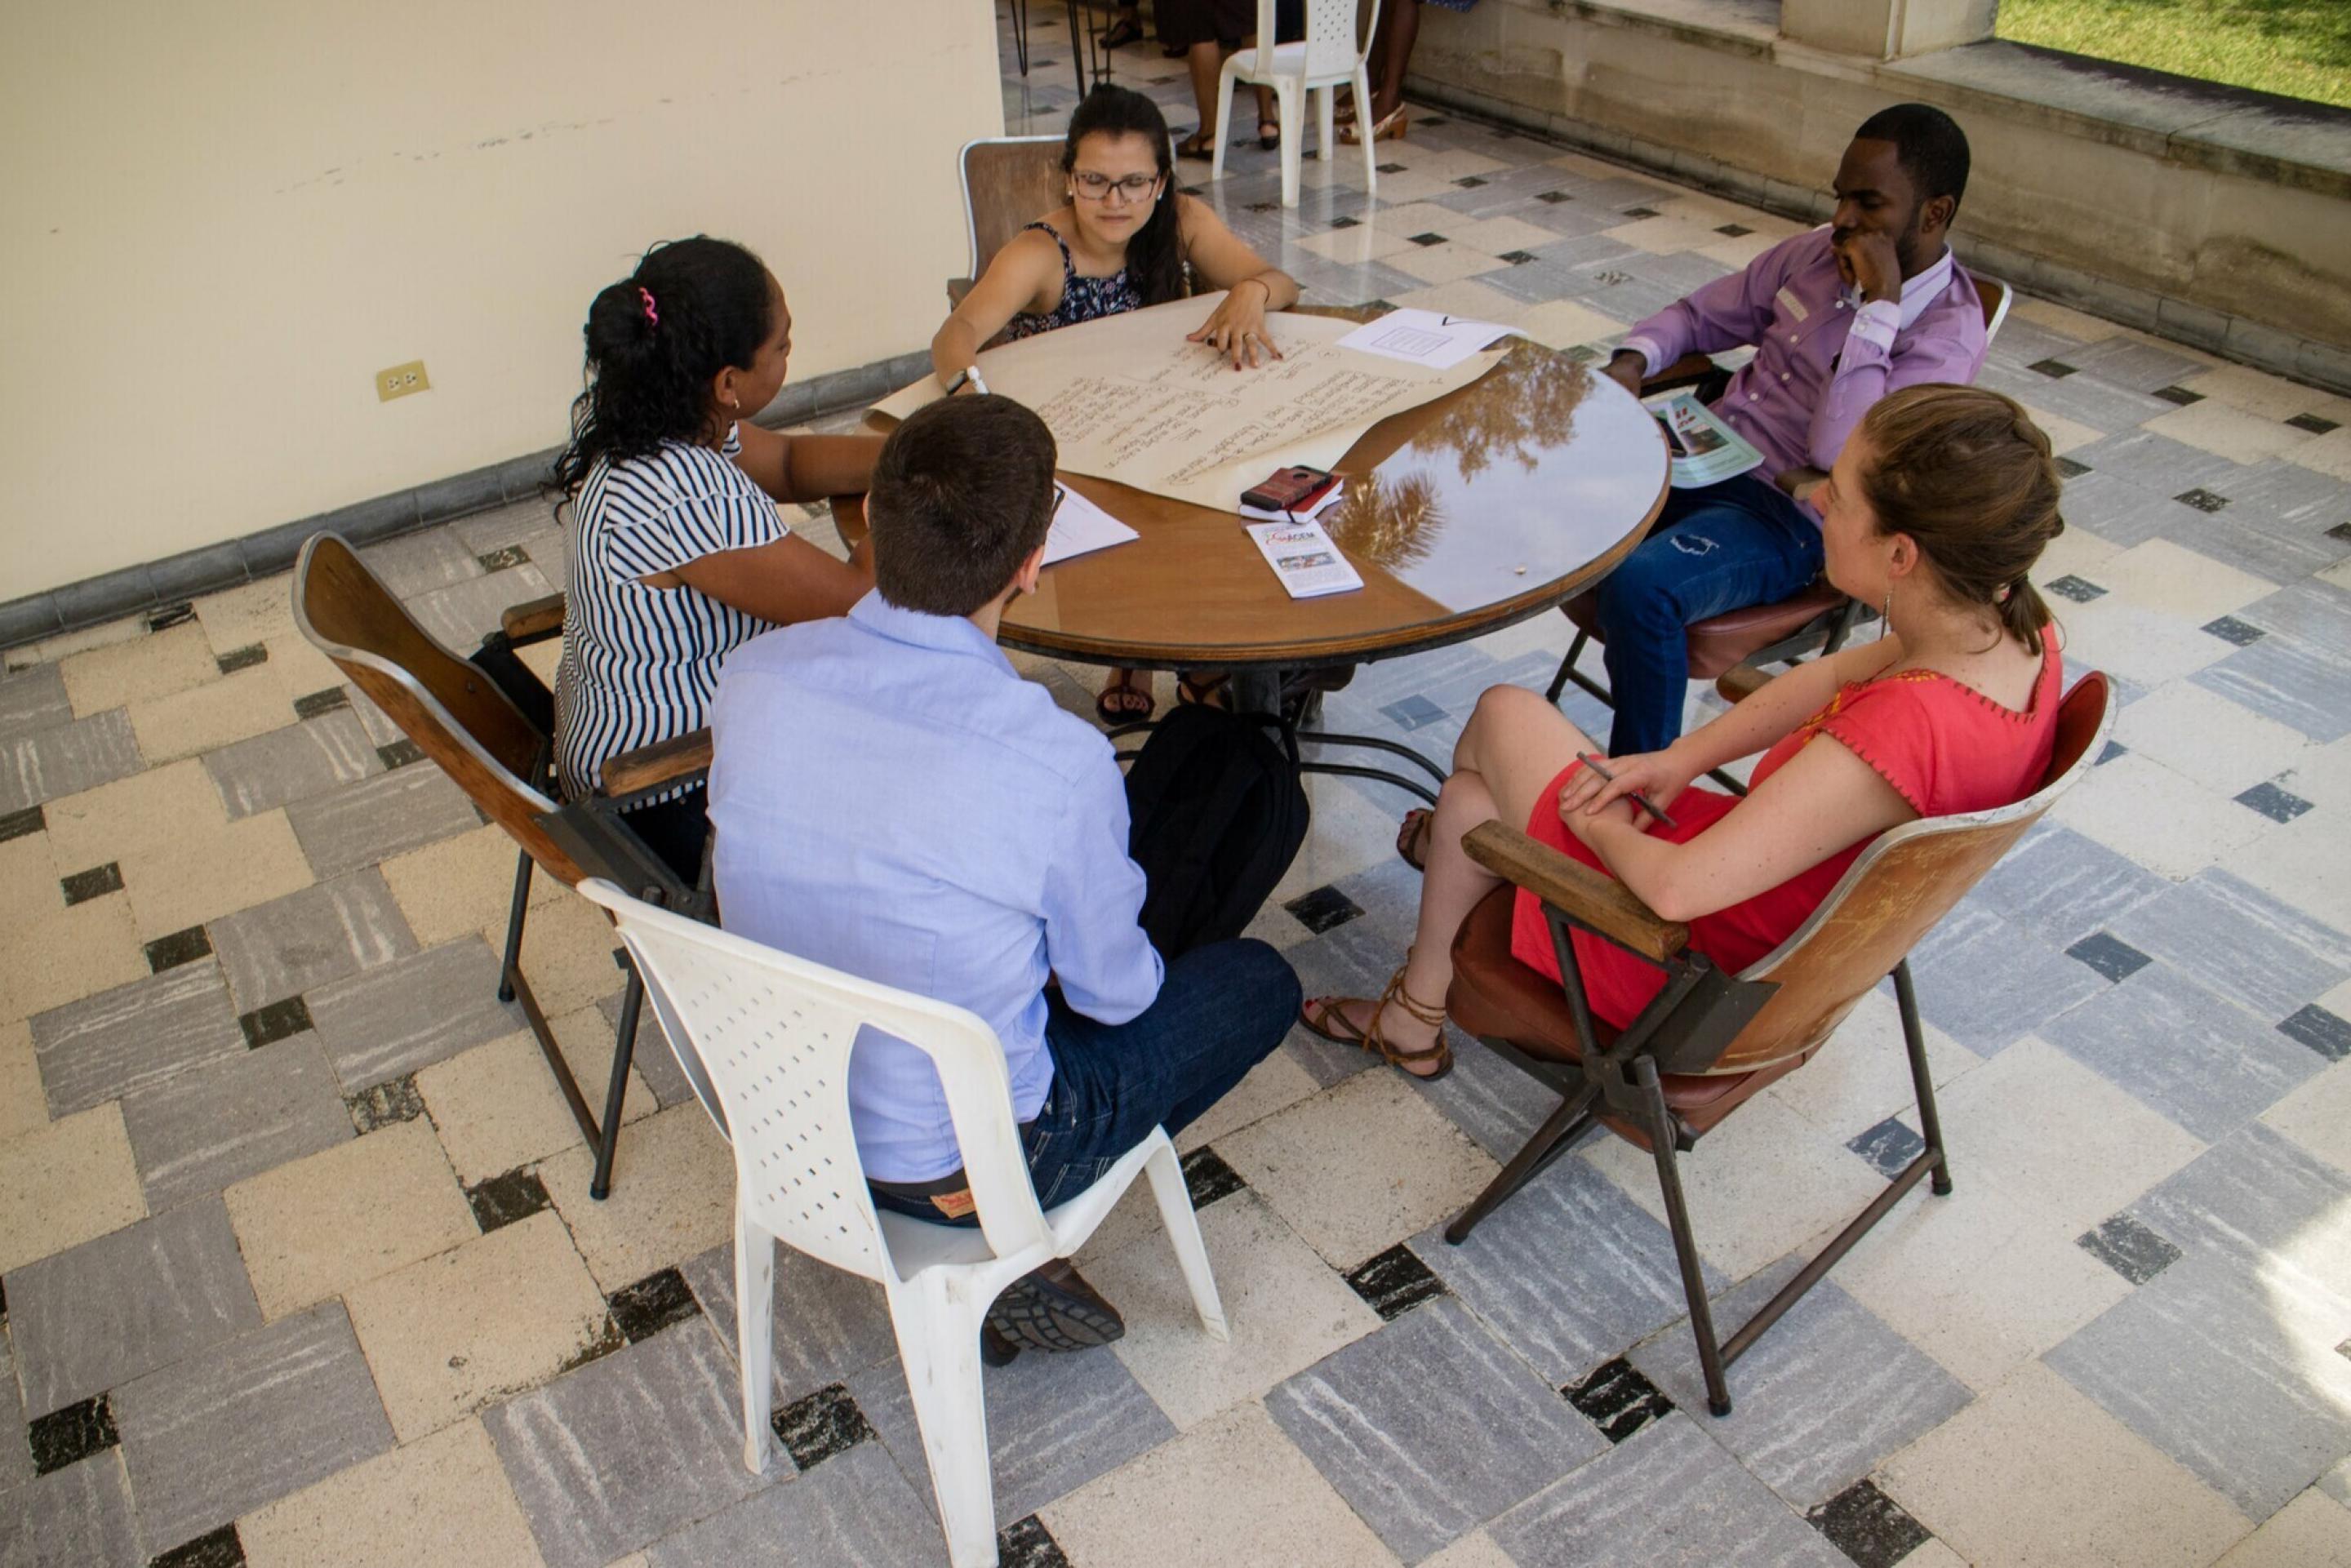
[(220, 220)]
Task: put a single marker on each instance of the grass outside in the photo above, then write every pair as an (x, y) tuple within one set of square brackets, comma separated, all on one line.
[(2301, 48)]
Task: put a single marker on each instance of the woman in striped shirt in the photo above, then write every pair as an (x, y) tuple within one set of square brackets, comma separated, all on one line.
[(678, 553)]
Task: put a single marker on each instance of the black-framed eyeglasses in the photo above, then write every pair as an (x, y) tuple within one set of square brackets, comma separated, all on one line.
[(1096, 187)]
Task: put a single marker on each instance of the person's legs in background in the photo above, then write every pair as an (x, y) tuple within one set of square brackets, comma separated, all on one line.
[(1391, 56), (1712, 550)]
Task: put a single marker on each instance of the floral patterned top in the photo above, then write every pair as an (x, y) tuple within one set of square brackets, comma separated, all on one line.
[(1082, 298)]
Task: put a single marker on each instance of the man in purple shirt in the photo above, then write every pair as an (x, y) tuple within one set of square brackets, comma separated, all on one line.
[(1838, 317)]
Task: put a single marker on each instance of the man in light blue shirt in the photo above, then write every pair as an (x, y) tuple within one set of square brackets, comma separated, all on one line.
[(892, 800)]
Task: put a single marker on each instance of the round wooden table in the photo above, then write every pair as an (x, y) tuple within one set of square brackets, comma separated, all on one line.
[(1489, 505)]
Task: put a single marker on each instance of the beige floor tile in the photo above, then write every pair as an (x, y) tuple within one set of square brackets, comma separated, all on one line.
[(2329, 453), (2230, 432), (322, 1225), (1286, 1307), (2164, 576), (2317, 1115), (2167, 824), (23, 1107), (673, 1197), (1475, 1550), (468, 1327), (1983, 1279), (1445, 162), (1415, 215), (66, 644), (2142, 646), (1351, 833), (1564, 324), (204, 877), (2039, 1123), (1592, 168), (1444, 263), (127, 672), (1736, 251), (65, 1184), (1233, 1492), (2064, 435), (203, 718), (2064, 319), (1863, 1074), (2339, 575), (1373, 240), (1663, 236), (2076, 551), (463, 883), (2323, 775), (2272, 397), (1359, 1166), (1466, 300), (2034, 1473), (29, 893), (443, 1500), (71, 954), (567, 952), (1761, 1184), (241, 617), (145, 812), (1700, 208), (1411, 186), (2313, 1531), (1496, 236), (497, 1105), (2207, 738), (298, 667), (2307, 863), (1274, 1084)]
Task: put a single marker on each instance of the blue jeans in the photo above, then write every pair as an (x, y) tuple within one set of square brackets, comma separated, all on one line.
[(1220, 1011), (1723, 547)]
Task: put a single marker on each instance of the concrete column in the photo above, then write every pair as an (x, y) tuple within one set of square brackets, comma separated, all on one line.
[(1887, 29)]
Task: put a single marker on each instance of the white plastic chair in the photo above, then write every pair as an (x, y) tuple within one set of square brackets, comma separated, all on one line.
[(773, 1032), (1331, 56)]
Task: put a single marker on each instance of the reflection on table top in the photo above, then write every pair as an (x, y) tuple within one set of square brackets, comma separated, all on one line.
[(1464, 515)]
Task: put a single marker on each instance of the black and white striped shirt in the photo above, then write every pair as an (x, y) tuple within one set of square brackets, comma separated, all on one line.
[(640, 664)]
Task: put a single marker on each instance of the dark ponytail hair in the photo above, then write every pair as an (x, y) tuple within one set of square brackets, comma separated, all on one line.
[(691, 309), (1966, 474), (1154, 256)]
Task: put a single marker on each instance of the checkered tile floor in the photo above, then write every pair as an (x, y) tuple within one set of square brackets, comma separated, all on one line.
[(300, 1267)]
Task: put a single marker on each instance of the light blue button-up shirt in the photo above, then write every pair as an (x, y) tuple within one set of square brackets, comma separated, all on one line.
[(891, 798)]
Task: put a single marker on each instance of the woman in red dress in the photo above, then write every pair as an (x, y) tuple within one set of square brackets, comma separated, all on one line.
[(1939, 505)]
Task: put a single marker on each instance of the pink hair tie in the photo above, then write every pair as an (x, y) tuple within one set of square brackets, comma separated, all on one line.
[(646, 295)]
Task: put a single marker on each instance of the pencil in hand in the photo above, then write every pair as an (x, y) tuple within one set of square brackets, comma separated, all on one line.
[(1635, 796)]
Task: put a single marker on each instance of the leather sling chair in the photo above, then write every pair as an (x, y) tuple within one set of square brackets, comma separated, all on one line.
[(1009, 182), (487, 724), (1711, 1041)]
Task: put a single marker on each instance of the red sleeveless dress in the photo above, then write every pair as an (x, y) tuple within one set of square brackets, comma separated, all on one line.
[(1945, 746)]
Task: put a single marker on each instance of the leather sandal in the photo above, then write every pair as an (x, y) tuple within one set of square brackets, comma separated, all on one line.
[(1389, 127), (1116, 704), (1332, 1026), (1200, 144), (1208, 689), (1411, 837)]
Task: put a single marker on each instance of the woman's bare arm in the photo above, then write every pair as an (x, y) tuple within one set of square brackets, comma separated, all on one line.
[(806, 467), (782, 581), (1025, 276)]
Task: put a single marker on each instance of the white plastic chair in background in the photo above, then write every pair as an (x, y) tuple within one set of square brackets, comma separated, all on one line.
[(1331, 57), (773, 1032)]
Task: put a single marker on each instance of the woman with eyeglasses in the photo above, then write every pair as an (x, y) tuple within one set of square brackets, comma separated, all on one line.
[(1128, 238)]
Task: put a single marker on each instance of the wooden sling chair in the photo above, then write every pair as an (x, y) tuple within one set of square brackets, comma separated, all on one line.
[(486, 722), (1711, 1040)]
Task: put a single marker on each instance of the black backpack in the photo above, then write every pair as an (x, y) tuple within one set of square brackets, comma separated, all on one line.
[(1217, 817)]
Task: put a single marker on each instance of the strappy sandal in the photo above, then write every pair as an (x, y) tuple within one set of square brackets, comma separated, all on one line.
[(1269, 142), (1333, 1027), (1200, 144), (1208, 690), (1411, 837), (1112, 705), (1389, 127)]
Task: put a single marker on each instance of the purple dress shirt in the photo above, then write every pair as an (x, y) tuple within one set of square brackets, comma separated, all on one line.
[(1821, 358)]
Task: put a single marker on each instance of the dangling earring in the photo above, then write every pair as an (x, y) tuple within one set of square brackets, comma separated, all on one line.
[(1886, 616)]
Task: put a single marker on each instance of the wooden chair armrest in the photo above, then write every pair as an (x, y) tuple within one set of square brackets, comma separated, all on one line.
[(1740, 681), (650, 767), (1596, 900), (533, 620), (1801, 482), (1682, 372)]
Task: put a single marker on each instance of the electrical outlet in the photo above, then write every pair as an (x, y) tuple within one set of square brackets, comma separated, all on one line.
[(400, 380)]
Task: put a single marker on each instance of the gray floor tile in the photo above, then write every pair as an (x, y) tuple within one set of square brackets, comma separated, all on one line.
[(2233, 939), (830, 1326), (2128, 362), (294, 763), (78, 1516), (2316, 612), (422, 561), (1054, 1423), (2122, 514), (306, 939), (234, 1118), (16, 1457), (2289, 490), (1497, 1105), (1430, 1427), (2204, 1063), (2254, 540), (1569, 1272), (2302, 687), (1665, 1497), (2060, 885), (502, 526), (855, 1509), (412, 1012), (67, 760), (628, 1448), (111, 1309), (111, 1044), (2230, 1376), (652, 1058), (1988, 983), (32, 701), (1822, 1398), (247, 1422), (362, 823), (461, 615), (2261, 1203)]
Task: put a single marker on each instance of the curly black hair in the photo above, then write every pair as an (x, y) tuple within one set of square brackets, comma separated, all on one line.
[(655, 338)]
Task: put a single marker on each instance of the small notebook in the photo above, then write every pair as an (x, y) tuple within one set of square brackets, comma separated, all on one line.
[(1304, 558)]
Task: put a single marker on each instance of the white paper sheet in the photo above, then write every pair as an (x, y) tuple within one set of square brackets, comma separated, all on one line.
[(1705, 451), (1423, 338), (1080, 527)]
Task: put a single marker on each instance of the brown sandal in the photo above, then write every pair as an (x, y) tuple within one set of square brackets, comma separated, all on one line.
[(1411, 837), (1206, 688), (1371, 1039)]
